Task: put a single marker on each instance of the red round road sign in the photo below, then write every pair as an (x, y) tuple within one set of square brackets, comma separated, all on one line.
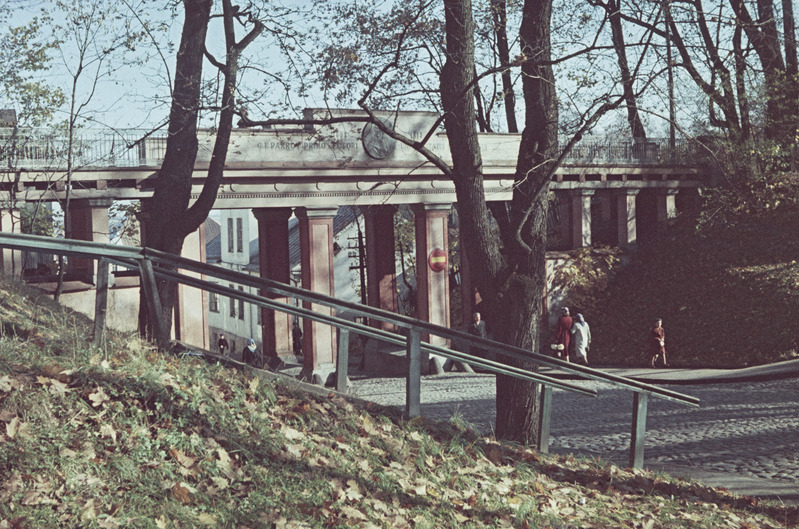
[(437, 260)]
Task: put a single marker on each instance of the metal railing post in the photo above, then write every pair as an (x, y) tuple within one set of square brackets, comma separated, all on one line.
[(413, 385), (100, 302), (153, 301), (544, 416), (640, 400), (342, 358)]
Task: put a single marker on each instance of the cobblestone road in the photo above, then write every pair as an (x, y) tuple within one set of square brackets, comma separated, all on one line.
[(748, 428)]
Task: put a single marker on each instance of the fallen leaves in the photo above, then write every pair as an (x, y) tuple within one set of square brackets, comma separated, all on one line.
[(212, 445), (99, 397)]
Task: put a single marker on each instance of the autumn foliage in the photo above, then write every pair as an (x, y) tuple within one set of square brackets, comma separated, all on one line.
[(127, 437)]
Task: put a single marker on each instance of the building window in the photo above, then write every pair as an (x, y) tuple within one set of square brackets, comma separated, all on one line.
[(232, 305), (240, 235), (213, 302), (241, 305), (230, 235)]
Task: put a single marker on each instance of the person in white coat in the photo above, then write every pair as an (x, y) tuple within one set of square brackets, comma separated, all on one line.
[(582, 338)]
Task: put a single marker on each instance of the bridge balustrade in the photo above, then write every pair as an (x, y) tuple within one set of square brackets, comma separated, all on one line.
[(36, 148)]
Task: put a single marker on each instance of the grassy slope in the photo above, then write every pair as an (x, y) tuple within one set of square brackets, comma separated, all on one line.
[(727, 299), (126, 437)]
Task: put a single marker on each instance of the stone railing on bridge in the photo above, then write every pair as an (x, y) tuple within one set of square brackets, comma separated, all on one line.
[(46, 149)]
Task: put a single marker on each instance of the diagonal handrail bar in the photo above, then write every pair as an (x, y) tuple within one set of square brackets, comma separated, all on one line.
[(144, 258), (93, 249), (407, 322), (359, 328)]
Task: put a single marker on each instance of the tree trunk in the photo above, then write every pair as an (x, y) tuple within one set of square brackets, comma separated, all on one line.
[(168, 217), (517, 402), (511, 280), (163, 214), (500, 13), (740, 83), (782, 106), (613, 8)]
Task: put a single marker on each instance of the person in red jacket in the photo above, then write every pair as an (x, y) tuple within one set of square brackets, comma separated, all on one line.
[(563, 332), (657, 342)]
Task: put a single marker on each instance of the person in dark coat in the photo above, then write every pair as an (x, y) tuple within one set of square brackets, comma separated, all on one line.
[(250, 355), (223, 345), (478, 326), (657, 342), (563, 332), (296, 339)]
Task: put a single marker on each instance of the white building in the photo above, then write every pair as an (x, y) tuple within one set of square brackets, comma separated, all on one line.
[(236, 248)]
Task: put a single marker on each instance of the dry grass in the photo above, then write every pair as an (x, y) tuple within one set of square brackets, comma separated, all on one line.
[(125, 437)]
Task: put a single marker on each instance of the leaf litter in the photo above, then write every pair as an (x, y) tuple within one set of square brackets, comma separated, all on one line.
[(155, 442)]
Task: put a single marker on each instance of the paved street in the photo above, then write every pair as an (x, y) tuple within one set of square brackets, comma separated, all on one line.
[(744, 431)]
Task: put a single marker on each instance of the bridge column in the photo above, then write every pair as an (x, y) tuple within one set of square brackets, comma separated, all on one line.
[(381, 271), (11, 222), (671, 203), (665, 209), (88, 222), (581, 217), (191, 307), (316, 257), (625, 218), (564, 217), (432, 287), (273, 256)]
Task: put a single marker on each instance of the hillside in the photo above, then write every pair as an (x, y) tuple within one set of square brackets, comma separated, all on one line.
[(128, 437), (728, 298)]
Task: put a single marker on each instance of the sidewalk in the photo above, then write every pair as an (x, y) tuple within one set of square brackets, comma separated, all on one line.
[(777, 371)]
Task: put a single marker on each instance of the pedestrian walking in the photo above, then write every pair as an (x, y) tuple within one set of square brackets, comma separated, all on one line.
[(478, 326), (657, 343), (223, 345), (563, 333), (296, 339), (582, 339), (251, 355)]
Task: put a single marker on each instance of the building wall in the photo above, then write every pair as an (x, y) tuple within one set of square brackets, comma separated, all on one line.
[(237, 319)]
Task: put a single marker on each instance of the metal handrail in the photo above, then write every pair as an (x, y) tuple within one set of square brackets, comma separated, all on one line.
[(43, 148), (94, 249), (359, 328), (143, 258), (407, 322)]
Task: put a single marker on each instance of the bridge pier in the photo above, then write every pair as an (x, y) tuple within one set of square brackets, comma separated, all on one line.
[(88, 222), (581, 217), (191, 324), (274, 264), (381, 261), (626, 231), (11, 222), (432, 286), (316, 257)]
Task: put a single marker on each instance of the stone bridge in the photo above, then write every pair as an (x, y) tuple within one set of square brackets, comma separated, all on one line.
[(609, 190)]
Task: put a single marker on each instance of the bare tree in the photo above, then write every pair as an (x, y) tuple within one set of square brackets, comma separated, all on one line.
[(612, 10), (168, 217), (88, 44), (782, 88)]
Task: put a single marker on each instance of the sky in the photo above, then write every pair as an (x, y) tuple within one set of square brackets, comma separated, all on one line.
[(133, 89)]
